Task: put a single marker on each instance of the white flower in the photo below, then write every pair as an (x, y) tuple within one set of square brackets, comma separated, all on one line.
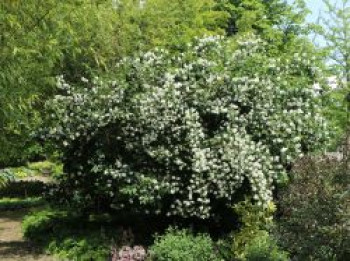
[(187, 137)]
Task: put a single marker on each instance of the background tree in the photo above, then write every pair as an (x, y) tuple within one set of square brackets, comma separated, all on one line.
[(39, 42), (78, 39), (169, 24), (86, 38), (336, 33), (281, 24), (275, 20), (336, 23)]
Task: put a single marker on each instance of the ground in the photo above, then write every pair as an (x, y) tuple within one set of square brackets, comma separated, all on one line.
[(12, 245)]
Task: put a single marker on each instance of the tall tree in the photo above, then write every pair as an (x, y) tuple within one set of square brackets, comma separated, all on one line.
[(336, 33), (80, 38), (281, 24), (272, 19), (169, 24), (38, 42)]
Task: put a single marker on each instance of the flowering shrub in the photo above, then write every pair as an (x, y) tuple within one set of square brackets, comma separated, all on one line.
[(176, 134)]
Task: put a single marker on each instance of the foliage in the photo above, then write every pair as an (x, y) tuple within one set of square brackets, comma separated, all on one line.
[(46, 167), (38, 42), (160, 23), (255, 221), (264, 247), (23, 189), (54, 229), (57, 231), (181, 245), (83, 38), (18, 203), (22, 172), (336, 32), (178, 135), (40, 165), (314, 222), (335, 110), (78, 38), (34, 169), (84, 249), (37, 224), (275, 21), (6, 175), (69, 235), (336, 36), (253, 241)]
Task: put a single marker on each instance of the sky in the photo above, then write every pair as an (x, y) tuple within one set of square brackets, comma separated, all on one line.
[(316, 6)]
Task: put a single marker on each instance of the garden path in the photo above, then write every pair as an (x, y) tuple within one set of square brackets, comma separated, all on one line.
[(12, 245)]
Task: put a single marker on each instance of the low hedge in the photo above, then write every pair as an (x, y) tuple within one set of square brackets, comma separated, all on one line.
[(23, 189), (18, 203)]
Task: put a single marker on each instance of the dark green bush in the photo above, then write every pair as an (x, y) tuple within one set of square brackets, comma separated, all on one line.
[(315, 211), (38, 226), (181, 245), (224, 247), (17, 203), (23, 189)]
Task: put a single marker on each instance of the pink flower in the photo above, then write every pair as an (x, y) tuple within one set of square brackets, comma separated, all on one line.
[(139, 253), (126, 252)]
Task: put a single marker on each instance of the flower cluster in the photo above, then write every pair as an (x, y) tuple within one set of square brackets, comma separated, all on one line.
[(174, 134), (126, 253)]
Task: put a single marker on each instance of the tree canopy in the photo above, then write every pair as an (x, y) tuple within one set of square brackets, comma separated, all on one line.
[(78, 39)]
